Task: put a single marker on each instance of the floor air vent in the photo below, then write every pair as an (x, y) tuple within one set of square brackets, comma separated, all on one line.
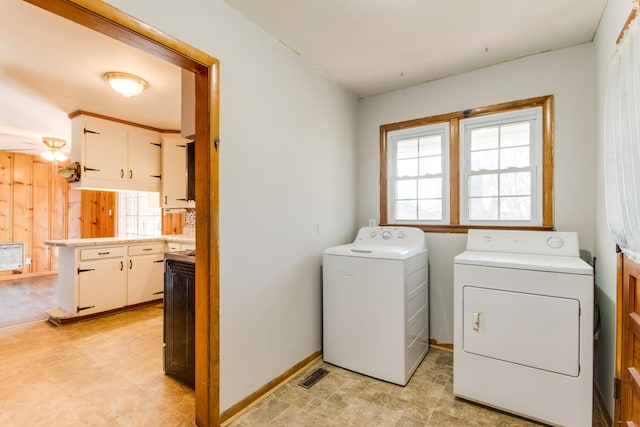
[(316, 376)]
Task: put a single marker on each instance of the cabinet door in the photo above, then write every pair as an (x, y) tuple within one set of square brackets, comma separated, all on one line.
[(145, 278), (104, 146), (144, 159), (102, 285), (179, 321), (174, 172)]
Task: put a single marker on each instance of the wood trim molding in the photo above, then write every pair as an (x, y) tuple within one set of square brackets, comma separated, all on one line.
[(269, 387), (631, 17), (116, 24), (383, 175), (454, 226), (124, 122), (443, 345), (619, 329), (547, 161), (454, 171)]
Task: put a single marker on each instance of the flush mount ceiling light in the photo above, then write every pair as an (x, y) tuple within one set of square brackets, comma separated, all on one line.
[(125, 84), (54, 145)]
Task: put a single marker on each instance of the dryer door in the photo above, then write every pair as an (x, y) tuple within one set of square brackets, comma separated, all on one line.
[(539, 331)]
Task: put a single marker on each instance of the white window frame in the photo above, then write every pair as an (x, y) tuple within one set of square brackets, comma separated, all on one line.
[(532, 115), (148, 209), (441, 129)]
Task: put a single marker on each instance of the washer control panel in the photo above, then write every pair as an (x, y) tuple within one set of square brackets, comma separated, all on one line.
[(393, 236)]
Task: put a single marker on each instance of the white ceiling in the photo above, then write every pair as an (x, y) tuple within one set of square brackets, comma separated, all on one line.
[(50, 67), (375, 46)]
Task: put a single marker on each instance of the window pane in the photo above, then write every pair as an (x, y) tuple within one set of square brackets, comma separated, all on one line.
[(514, 157), (483, 185), (406, 210), (515, 184), (430, 210), (407, 167), (430, 188), (484, 138), (430, 165), (515, 134), (515, 208), (431, 146), (407, 148), (483, 208), (484, 160), (406, 189)]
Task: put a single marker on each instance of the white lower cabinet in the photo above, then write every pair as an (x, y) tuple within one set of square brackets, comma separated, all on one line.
[(145, 277), (102, 285), (105, 278)]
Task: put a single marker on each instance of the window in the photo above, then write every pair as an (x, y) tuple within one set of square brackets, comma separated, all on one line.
[(486, 167), (139, 214), (501, 155), (418, 161)]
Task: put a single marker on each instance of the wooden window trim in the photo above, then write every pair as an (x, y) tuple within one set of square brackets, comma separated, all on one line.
[(454, 226)]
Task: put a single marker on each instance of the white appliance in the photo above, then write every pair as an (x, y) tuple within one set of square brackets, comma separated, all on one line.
[(523, 325), (375, 303)]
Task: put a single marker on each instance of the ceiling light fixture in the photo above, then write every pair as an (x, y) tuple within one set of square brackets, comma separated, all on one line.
[(125, 84), (54, 145)]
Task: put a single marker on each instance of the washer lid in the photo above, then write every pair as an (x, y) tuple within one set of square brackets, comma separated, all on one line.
[(375, 251), (551, 263)]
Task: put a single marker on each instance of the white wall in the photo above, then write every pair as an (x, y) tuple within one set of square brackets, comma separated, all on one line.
[(567, 74), (287, 162), (604, 46)]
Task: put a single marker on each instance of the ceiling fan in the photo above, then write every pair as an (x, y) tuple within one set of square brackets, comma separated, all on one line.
[(54, 145), (55, 149)]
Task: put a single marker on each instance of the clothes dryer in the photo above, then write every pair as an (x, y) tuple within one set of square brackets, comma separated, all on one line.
[(523, 324), (375, 303)]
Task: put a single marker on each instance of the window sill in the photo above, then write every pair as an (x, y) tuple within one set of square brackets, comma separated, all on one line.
[(458, 228)]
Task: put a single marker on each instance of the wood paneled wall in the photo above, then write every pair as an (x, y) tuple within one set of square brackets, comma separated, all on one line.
[(33, 200), (36, 204), (92, 214)]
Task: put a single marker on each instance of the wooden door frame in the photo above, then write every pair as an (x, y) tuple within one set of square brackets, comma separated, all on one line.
[(116, 24)]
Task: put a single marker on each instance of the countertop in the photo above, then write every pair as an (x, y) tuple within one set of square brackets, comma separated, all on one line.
[(108, 241), (184, 256)]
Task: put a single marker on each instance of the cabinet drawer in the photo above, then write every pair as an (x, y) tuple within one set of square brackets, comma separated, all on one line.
[(151, 248), (98, 253), (173, 247)]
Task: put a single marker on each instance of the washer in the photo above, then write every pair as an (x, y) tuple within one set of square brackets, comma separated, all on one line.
[(375, 303), (523, 325)]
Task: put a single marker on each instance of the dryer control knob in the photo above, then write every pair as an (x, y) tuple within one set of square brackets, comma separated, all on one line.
[(400, 235), (373, 234), (555, 242), (386, 235)]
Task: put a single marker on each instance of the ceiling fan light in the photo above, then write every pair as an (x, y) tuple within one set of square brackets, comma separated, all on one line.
[(125, 84), (48, 155), (59, 156)]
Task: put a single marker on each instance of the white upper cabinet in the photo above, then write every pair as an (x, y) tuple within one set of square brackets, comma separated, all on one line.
[(174, 172), (144, 150), (115, 156)]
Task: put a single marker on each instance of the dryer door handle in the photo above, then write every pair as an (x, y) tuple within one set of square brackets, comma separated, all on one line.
[(478, 321)]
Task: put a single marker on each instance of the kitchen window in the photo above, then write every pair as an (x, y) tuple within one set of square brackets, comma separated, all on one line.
[(486, 167), (139, 214)]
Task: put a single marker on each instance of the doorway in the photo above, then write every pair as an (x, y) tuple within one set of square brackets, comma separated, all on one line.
[(112, 22)]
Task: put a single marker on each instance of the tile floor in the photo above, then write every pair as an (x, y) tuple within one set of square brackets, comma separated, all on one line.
[(108, 372), (101, 372), (344, 398)]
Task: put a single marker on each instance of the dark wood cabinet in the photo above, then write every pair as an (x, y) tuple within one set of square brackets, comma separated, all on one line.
[(179, 317)]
